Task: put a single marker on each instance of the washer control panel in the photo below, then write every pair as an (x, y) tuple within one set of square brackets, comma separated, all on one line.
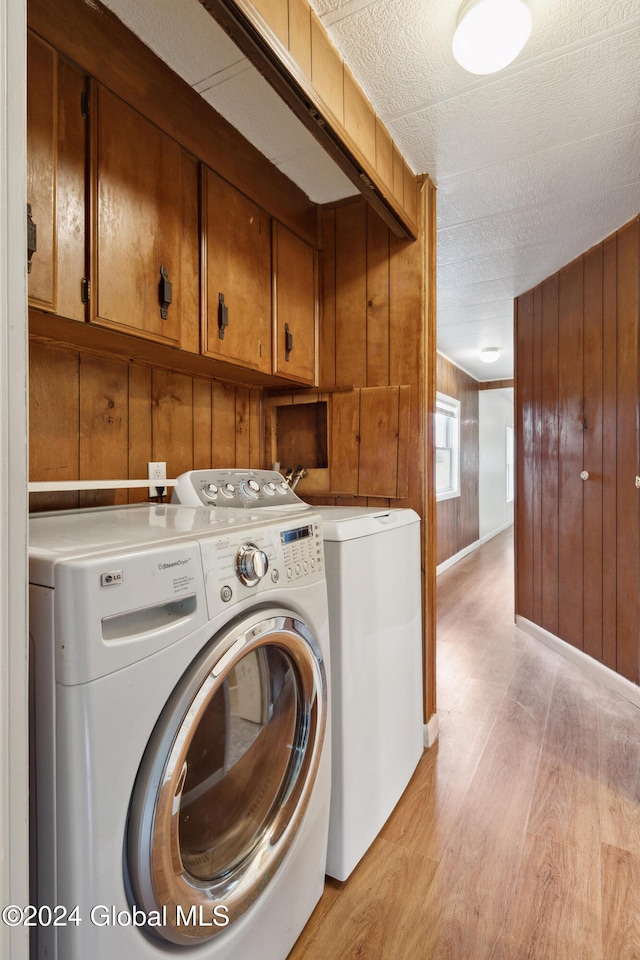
[(254, 561), (236, 488)]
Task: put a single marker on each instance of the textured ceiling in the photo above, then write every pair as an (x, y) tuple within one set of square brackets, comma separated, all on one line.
[(533, 165)]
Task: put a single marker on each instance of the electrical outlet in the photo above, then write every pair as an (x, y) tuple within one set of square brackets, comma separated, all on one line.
[(157, 473)]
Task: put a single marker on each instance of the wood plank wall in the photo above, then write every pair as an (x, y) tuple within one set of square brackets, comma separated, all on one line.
[(96, 417), (371, 332), (458, 519), (577, 541), (378, 329)]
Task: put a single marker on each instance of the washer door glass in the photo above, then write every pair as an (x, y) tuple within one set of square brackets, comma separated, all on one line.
[(227, 776)]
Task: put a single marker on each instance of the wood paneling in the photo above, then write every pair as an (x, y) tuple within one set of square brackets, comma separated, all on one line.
[(570, 453), (54, 423), (384, 147), (104, 401), (359, 115), (300, 34), (592, 451), (95, 417), (350, 293), (524, 468), (344, 441), (327, 69), (327, 331), (377, 332), (458, 523), (378, 327), (578, 545), (536, 361), (628, 461), (140, 418), (276, 12), (549, 443), (494, 384)]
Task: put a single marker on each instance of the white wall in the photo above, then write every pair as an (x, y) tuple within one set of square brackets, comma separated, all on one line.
[(495, 415), (13, 476)]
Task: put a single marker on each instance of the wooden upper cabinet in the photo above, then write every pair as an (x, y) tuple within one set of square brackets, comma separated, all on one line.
[(144, 226), (56, 137), (236, 276), (295, 315)]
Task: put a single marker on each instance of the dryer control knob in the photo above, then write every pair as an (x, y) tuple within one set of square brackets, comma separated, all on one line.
[(251, 564)]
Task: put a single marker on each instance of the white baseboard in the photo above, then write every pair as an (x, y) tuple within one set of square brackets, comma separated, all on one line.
[(494, 533), (456, 557), (430, 731), (609, 678)]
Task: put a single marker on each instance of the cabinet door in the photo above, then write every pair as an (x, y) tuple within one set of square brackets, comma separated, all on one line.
[(144, 187), (294, 307), (236, 276), (56, 151), (369, 442)]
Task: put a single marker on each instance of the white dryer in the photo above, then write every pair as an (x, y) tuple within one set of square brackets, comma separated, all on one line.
[(181, 735), (375, 625)]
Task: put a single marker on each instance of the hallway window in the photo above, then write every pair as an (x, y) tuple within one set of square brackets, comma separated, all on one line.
[(447, 434)]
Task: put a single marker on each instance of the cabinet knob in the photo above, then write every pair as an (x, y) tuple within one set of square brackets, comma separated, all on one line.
[(584, 475)]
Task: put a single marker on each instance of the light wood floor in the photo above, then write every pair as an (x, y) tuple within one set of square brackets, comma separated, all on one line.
[(519, 834)]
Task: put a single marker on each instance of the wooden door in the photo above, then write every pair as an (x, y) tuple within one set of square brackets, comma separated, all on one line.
[(295, 314), (144, 226), (236, 276), (56, 152)]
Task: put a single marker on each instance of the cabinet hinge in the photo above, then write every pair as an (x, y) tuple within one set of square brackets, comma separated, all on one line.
[(85, 288), (84, 104)]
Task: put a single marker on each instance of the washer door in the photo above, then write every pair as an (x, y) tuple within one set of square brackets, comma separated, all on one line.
[(226, 776)]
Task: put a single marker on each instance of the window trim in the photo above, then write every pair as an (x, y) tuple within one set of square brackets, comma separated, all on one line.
[(452, 406)]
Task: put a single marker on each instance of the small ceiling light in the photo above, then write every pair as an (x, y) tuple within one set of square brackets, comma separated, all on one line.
[(489, 354), (490, 34)]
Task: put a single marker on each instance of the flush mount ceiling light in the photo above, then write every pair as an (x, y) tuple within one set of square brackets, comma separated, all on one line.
[(490, 34), (489, 354)]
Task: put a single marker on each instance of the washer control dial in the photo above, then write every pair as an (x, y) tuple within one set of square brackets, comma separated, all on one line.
[(251, 564), (250, 489), (210, 490), (228, 490)]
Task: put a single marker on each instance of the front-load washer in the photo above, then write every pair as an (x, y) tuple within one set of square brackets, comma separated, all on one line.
[(375, 625), (181, 750)]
